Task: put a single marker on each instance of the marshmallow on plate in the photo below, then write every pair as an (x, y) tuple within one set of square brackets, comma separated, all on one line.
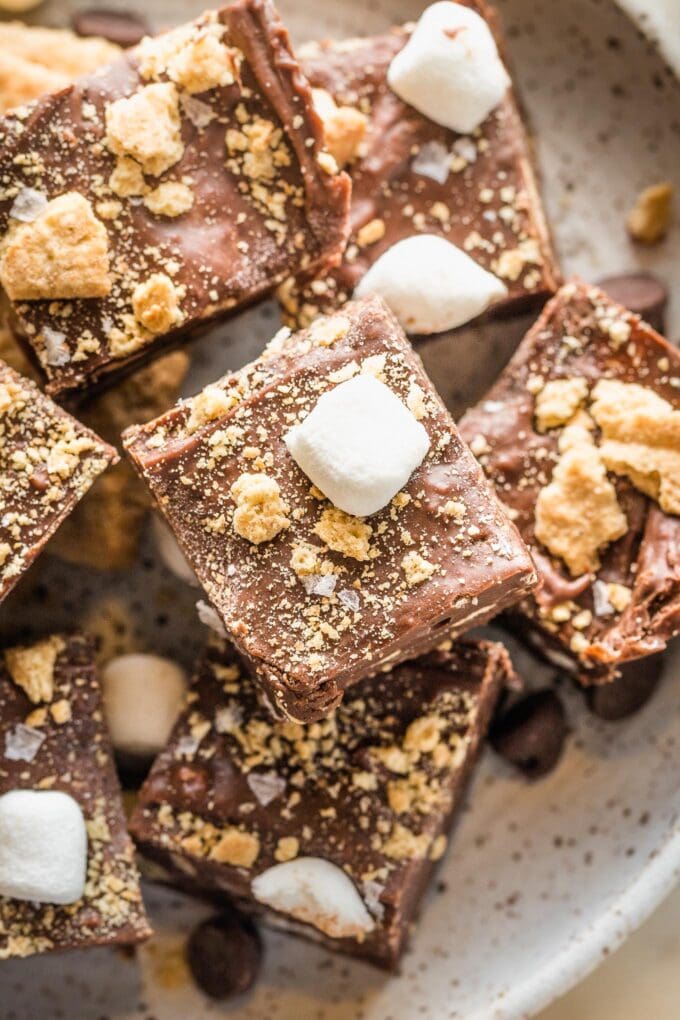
[(43, 847), (142, 698), (359, 445), (430, 284), (450, 70)]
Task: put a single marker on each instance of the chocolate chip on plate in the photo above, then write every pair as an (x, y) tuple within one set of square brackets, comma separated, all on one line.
[(224, 954), (531, 733), (642, 293), (629, 692), (122, 27)]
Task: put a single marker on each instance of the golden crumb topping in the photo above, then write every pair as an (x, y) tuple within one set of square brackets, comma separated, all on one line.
[(146, 126)]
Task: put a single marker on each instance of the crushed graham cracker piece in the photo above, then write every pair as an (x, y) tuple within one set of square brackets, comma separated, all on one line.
[(63, 253), (171, 198), (127, 179), (640, 439), (325, 330), (371, 232), (240, 849), (403, 844), (204, 62), (558, 401), (32, 667), (146, 126), (649, 219), (577, 513), (287, 848), (416, 568), (619, 596), (344, 534), (155, 303), (260, 511), (344, 127)]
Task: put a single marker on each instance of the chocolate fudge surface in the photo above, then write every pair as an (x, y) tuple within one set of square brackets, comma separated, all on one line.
[(48, 461), (372, 789), (182, 181), (52, 737), (595, 378), (326, 598), (488, 204)]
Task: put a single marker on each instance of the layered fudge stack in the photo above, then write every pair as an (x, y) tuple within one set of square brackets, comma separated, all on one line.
[(342, 529)]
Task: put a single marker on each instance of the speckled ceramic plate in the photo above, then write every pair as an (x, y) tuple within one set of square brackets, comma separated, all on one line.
[(542, 881)]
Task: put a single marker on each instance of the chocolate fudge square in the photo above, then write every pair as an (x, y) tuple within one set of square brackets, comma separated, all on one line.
[(53, 738), (332, 829), (179, 183), (315, 598), (48, 461), (412, 176), (581, 436)]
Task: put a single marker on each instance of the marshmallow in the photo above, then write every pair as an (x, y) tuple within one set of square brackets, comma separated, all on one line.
[(170, 553), (142, 698), (359, 445), (430, 284), (43, 847), (450, 70), (317, 892)]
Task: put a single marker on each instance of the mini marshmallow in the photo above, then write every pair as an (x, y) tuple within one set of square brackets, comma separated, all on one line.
[(43, 847), (142, 698), (450, 70), (170, 553), (430, 284), (359, 445)]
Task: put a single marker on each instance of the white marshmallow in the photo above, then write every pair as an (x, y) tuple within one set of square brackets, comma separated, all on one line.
[(359, 445), (43, 847), (450, 70), (142, 698), (430, 284), (317, 892), (170, 553)]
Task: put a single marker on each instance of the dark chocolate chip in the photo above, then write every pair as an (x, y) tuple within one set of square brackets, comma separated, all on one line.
[(224, 955), (531, 733), (640, 292), (629, 691), (122, 27)]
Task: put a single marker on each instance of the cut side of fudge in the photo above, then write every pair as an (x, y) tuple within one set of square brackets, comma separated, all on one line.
[(48, 461), (314, 596), (61, 808), (177, 184), (331, 829), (412, 176), (581, 437)]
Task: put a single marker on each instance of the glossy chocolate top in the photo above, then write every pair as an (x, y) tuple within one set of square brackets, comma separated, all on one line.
[(52, 737), (48, 461), (329, 598), (488, 204), (583, 334), (216, 180), (371, 789)]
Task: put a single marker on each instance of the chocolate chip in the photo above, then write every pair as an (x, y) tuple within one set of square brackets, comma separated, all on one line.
[(531, 733), (224, 955), (640, 292), (122, 27), (629, 691)]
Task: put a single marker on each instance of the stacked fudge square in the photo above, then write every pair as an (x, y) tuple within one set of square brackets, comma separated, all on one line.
[(343, 530)]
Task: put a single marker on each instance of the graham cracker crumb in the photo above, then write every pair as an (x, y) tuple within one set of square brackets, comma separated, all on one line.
[(650, 217), (155, 303), (32, 668), (344, 127), (371, 232), (558, 401), (127, 179), (146, 126), (416, 568), (240, 849), (171, 198), (287, 848), (344, 534), (260, 512)]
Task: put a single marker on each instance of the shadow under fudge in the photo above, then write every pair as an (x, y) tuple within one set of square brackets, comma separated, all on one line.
[(519, 459), (373, 789), (306, 648)]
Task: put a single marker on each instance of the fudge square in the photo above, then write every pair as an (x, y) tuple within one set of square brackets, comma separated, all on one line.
[(313, 596), (67, 872), (48, 461), (331, 828), (182, 181), (581, 436), (412, 176)]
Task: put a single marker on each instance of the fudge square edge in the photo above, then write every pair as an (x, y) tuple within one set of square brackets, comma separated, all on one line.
[(328, 598), (356, 808), (48, 461), (593, 393), (53, 738), (182, 181)]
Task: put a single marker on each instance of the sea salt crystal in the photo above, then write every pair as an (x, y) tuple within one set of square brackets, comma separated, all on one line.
[(209, 616), (199, 113), (187, 746), (372, 891), (466, 149), (28, 205), (323, 585), (433, 160), (23, 743), (601, 604), (228, 718), (266, 786), (56, 351), (350, 599)]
